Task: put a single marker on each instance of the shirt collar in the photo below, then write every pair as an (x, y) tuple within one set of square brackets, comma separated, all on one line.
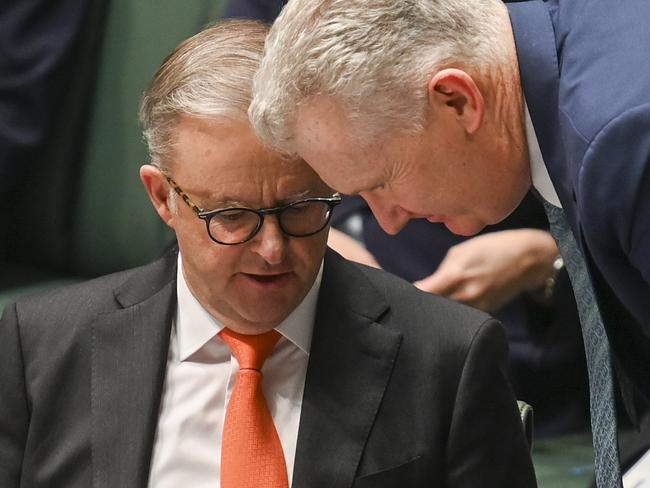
[(538, 173), (195, 326)]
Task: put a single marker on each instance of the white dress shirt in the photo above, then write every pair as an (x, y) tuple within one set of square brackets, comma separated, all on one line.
[(538, 173), (198, 384)]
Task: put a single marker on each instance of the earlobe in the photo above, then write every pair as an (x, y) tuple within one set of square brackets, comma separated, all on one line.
[(158, 190), (454, 89)]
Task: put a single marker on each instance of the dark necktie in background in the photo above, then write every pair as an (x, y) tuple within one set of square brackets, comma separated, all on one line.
[(599, 366)]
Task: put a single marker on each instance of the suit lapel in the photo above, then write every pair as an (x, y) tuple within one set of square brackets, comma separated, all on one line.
[(350, 364), (129, 357)]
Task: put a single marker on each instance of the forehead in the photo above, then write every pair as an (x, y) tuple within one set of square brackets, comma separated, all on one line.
[(334, 147), (223, 159)]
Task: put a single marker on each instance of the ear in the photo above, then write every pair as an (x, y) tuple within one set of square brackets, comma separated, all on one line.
[(452, 89), (158, 190)]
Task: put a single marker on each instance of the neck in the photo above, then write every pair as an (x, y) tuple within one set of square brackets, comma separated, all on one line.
[(512, 94), (505, 102)]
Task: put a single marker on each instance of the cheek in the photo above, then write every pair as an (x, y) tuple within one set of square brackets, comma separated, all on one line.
[(193, 244), (212, 263), (308, 253), (413, 197)]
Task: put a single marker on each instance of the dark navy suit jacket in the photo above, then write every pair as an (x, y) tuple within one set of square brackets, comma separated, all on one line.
[(585, 72), (265, 10)]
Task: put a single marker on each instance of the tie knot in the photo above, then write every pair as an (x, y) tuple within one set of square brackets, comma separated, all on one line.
[(250, 350)]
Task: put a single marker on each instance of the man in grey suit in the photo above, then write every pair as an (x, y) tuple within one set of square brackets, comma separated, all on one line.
[(123, 381)]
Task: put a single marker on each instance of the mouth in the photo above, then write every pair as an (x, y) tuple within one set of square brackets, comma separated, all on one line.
[(268, 280)]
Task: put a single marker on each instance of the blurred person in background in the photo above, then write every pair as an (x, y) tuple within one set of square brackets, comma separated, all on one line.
[(38, 44)]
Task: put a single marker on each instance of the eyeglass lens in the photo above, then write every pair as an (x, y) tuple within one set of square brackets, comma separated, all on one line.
[(299, 219)]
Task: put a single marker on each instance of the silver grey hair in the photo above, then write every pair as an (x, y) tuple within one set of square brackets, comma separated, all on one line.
[(208, 75), (371, 56)]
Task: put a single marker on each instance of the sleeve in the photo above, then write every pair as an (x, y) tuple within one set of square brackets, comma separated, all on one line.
[(14, 416), (614, 185), (487, 444)]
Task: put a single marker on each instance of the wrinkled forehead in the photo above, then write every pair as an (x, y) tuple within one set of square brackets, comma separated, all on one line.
[(224, 160), (325, 117), (336, 146)]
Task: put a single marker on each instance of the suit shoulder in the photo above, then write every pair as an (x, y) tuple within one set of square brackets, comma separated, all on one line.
[(79, 300), (90, 292), (416, 312)]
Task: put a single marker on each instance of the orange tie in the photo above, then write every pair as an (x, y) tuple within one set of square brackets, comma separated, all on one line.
[(251, 453)]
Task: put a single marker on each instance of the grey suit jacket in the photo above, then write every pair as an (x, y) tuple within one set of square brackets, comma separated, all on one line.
[(402, 388)]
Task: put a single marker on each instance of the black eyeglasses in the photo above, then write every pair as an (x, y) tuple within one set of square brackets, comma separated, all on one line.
[(236, 225)]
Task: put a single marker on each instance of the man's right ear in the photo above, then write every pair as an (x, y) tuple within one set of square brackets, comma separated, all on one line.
[(158, 190), (454, 91)]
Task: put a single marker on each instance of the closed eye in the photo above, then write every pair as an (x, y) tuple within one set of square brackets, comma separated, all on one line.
[(299, 207), (231, 215)]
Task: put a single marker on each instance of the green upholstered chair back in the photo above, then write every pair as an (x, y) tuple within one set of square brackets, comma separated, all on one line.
[(115, 226)]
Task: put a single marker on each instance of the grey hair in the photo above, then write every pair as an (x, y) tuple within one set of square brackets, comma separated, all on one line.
[(208, 75), (373, 57)]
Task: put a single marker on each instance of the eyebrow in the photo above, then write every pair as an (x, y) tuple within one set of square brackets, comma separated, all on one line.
[(367, 188), (227, 202)]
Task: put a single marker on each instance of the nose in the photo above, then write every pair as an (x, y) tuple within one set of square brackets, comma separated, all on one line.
[(270, 242), (391, 217)]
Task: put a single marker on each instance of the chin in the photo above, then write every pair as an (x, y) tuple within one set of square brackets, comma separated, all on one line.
[(466, 229), (251, 328), (264, 316)]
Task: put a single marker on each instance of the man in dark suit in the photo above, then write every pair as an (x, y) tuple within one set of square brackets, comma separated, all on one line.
[(125, 380), (452, 110)]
